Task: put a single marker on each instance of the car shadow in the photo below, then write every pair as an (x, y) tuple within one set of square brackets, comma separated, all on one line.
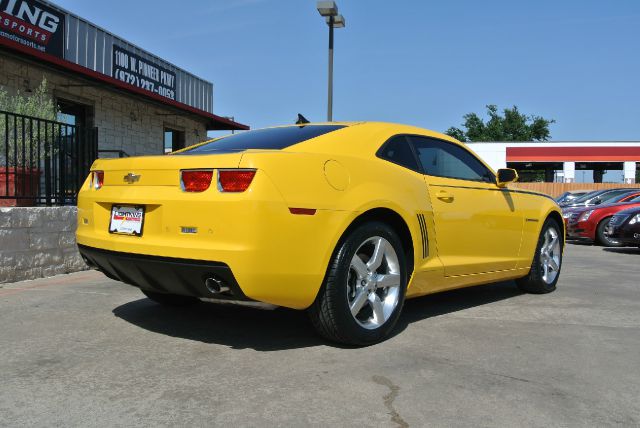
[(434, 305), (622, 250), (241, 327), (580, 242)]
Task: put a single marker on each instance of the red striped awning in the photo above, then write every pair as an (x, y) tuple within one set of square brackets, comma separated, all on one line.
[(573, 154)]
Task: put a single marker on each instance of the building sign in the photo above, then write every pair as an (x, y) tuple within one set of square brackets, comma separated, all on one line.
[(33, 24), (137, 71)]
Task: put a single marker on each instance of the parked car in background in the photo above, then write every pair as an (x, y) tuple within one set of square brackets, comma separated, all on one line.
[(624, 227), (598, 197), (571, 195), (590, 223), (569, 213), (584, 198)]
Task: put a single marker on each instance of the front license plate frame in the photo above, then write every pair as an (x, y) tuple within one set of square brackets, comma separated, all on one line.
[(127, 225)]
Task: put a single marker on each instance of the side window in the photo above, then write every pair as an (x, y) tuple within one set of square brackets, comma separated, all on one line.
[(443, 159), (398, 151)]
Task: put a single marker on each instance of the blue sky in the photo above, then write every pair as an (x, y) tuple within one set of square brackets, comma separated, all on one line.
[(425, 63)]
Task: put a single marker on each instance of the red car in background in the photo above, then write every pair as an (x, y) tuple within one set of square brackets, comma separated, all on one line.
[(590, 223), (569, 212)]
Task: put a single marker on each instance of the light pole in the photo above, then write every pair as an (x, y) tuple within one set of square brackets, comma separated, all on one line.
[(329, 10)]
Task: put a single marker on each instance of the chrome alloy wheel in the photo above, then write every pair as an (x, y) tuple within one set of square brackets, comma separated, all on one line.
[(373, 283), (550, 255)]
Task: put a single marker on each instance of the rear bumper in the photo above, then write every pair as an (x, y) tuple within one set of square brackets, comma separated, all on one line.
[(163, 274)]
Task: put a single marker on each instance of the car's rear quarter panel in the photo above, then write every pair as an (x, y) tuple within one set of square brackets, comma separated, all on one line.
[(275, 256), (372, 183)]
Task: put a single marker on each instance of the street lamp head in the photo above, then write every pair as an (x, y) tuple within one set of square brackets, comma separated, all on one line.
[(327, 8), (338, 21)]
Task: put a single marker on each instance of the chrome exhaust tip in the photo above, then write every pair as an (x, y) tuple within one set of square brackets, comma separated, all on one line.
[(216, 285)]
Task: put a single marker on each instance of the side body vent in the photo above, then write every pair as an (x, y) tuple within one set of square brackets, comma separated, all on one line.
[(423, 233)]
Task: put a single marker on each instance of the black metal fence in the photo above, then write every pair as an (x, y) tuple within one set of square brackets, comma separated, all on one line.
[(43, 162)]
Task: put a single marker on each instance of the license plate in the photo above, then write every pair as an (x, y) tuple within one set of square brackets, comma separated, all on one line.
[(126, 220)]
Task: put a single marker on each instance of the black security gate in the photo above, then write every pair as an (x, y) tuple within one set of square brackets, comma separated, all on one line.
[(43, 162)]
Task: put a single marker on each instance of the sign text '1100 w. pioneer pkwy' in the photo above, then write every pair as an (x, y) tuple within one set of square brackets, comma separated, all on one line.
[(137, 71)]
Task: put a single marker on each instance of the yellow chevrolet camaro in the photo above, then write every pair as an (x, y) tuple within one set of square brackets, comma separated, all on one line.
[(342, 219)]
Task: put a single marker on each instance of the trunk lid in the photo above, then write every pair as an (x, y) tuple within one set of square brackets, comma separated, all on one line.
[(159, 170)]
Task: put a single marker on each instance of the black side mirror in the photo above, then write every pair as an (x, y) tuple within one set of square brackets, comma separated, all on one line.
[(506, 176)]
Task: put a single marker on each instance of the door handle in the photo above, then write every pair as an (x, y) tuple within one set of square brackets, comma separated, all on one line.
[(444, 196)]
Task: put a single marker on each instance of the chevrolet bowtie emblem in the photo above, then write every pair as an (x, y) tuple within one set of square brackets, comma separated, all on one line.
[(131, 178)]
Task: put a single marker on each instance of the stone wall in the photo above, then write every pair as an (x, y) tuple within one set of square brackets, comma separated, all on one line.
[(125, 122), (38, 242)]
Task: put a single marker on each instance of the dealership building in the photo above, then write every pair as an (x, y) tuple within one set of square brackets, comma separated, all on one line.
[(136, 102)]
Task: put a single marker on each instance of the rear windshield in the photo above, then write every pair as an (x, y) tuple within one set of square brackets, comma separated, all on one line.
[(268, 139)]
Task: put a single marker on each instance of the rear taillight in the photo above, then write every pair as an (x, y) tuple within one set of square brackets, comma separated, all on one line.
[(235, 180), (196, 180), (97, 179)]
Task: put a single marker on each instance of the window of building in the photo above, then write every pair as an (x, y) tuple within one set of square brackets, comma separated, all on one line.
[(443, 159), (173, 140), (73, 113), (398, 151)]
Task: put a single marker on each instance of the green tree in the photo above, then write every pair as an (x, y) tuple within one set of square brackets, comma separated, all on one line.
[(37, 104), (510, 126)]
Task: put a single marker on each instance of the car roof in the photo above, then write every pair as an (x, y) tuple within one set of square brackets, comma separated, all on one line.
[(579, 191), (612, 204), (361, 136), (364, 128), (595, 193), (354, 139)]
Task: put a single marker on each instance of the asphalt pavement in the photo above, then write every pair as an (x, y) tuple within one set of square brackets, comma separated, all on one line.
[(83, 350)]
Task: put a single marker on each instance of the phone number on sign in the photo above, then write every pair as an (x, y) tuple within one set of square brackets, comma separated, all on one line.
[(143, 83)]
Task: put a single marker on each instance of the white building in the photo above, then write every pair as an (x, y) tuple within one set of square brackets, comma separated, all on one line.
[(561, 159)]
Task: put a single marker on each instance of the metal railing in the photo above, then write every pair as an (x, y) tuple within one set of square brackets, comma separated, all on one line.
[(43, 162)]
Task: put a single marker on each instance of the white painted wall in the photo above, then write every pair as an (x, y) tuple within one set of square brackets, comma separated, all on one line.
[(495, 154), (629, 172)]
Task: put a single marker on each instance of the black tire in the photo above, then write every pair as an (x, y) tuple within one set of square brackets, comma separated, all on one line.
[(602, 238), (170, 299), (534, 281), (330, 313)]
